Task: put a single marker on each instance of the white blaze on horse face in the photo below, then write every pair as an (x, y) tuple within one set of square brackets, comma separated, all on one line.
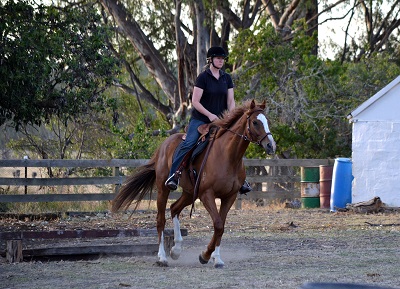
[(264, 121)]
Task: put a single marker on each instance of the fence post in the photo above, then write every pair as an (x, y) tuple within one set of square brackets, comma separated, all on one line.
[(238, 203), (116, 174), (14, 251), (26, 174)]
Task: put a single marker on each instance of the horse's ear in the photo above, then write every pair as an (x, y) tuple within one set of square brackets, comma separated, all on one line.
[(253, 104), (263, 104)]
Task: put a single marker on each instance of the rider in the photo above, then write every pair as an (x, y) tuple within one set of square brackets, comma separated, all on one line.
[(212, 95)]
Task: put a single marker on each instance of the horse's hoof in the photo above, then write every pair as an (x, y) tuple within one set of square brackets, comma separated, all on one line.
[(202, 260), (162, 263), (175, 254), (219, 266)]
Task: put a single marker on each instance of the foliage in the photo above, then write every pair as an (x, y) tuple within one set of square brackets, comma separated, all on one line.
[(70, 66), (136, 144), (54, 62), (132, 134), (120, 132), (308, 99)]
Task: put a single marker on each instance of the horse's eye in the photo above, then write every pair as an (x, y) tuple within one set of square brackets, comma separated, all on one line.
[(255, 122)]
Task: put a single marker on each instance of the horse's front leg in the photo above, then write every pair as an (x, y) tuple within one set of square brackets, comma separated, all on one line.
[(176, 250), (226, 204), (218, 263), (208, 201)]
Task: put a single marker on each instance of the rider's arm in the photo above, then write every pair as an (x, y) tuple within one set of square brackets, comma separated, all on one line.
[(196, 97), (231, 99)]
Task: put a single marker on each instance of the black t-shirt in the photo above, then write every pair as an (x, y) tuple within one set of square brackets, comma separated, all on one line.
[(215, 93)]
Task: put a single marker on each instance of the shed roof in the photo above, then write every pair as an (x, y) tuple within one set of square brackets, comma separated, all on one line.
[(386, 101)]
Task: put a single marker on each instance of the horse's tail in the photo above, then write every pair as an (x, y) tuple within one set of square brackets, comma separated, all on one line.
[(135, 187)]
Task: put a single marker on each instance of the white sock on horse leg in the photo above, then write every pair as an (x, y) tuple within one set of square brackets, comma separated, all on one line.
[(177, 248), (162, 257)]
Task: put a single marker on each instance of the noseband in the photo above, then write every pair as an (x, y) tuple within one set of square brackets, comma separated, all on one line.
[(251, 139)]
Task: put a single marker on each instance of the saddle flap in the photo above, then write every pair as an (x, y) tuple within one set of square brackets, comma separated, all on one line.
[(204, 129), (207, 132)]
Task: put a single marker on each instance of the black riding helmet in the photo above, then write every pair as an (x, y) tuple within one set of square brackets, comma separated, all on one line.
[(216, 51)]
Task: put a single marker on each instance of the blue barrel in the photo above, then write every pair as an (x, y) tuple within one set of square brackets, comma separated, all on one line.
[(342, 178)]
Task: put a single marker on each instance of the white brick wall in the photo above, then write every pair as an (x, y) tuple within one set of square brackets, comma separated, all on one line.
[(376, 161)]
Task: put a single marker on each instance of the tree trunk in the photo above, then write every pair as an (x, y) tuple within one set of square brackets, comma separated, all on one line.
[(145, 48)]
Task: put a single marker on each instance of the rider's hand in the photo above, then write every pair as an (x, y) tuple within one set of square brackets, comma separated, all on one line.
[(212, 117)]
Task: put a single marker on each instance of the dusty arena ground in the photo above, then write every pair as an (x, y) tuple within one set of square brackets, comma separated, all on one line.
[(263, 247)]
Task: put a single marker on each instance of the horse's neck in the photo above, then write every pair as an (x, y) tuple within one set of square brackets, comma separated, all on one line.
[(233, 144)]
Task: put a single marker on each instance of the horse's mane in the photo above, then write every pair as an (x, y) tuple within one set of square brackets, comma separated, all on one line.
[(230, 117)]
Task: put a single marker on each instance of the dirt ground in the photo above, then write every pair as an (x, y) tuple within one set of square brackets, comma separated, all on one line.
[(263, 247)]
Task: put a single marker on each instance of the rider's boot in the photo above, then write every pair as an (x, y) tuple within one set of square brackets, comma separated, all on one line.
[(245, 188), (172, 182)]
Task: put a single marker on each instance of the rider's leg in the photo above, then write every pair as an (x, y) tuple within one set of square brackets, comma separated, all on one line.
[(192, 135)]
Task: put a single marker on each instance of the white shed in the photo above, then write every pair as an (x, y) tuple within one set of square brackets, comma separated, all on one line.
[(376, 147)]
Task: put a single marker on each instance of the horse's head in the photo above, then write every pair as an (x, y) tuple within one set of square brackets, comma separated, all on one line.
[(258, 129)]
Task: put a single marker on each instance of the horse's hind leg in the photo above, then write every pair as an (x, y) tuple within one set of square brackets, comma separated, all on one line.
[(162, 198), (176, 208)]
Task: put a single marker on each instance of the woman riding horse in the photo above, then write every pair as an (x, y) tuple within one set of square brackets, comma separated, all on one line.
[(212, 95), (220, 176)]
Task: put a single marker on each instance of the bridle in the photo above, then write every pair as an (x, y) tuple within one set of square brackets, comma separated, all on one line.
[(251, 139)]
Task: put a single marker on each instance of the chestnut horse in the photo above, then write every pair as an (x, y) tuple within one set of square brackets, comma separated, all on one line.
[(221, 176)]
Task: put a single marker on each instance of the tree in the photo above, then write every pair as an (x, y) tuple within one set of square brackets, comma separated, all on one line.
[(162, 46), (54, 62), (161, 32), (99, 135), (377, 24), (210, 23), (308, 98)]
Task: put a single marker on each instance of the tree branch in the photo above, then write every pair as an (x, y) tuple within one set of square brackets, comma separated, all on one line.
[(144, 47)]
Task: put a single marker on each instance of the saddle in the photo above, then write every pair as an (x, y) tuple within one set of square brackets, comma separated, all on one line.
[(203, 129)]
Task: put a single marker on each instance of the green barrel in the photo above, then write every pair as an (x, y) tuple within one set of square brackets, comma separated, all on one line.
[(309, 177), (307, 203), (309, 174)]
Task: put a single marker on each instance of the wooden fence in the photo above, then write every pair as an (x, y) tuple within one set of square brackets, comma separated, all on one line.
[(271, 178)]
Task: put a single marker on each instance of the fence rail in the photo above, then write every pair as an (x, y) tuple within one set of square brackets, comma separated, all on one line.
[(268, 186)]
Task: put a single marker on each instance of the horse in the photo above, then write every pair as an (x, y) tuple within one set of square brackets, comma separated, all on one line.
[(220, 176)]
